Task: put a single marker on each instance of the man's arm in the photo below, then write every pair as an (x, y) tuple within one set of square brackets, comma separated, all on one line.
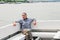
[(14, 24)]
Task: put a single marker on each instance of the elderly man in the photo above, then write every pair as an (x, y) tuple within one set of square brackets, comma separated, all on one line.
[(25, 25)]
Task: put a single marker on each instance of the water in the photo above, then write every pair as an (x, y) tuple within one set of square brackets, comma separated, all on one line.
[(3, 23)]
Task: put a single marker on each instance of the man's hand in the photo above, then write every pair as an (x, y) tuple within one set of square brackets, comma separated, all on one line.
[(14, 24), (34, 22)]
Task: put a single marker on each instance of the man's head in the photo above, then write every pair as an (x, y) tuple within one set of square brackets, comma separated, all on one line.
[(24, 15)]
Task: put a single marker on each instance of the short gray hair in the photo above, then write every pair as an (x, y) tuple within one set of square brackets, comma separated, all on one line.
[(24, 13)]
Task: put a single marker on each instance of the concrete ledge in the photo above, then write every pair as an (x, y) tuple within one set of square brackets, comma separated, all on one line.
[(44, 34), (9, 36)]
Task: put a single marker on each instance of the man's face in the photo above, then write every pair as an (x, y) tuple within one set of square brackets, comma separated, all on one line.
[(24, 16)]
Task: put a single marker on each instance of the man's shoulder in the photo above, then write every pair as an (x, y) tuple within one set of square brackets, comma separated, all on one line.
[(30, 18), (21, 19)]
